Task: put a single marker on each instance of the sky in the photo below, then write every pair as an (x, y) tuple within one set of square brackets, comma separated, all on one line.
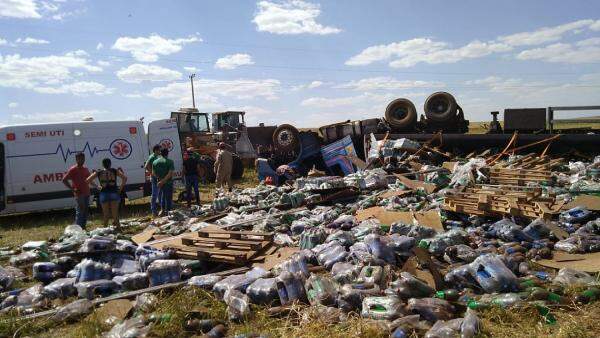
[(307, 63)]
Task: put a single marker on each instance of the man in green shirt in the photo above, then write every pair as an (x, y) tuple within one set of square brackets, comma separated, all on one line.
[(148, 166), (163, 169)]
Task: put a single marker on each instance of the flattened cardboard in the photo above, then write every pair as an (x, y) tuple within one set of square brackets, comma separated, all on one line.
[(586, 262), (392, 193), (413, 185), (277, 257), (451, 166), (118, 308), (384, 216), (144, 236), (431, 219), (559, 232), (591, 202)]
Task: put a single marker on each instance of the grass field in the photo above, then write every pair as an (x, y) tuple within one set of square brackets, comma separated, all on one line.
[(302, 322)]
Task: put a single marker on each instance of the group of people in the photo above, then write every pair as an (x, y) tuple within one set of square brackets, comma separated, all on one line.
[(161, 170), (78, 179)]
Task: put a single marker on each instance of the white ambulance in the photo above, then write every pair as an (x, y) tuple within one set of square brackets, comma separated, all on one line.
[(35, 158)]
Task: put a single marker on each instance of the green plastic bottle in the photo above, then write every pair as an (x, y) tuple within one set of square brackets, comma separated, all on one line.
[(588, 296)]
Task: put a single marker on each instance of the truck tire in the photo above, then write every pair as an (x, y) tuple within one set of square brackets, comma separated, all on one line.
[(237, 171), (401, 114), (440, 107), (286, 138), (207, 169)]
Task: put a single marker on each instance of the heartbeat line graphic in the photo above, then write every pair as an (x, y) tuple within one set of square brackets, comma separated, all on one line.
[(66, 153)]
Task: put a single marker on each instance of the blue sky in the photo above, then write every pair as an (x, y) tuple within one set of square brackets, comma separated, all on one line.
[(303, 62)]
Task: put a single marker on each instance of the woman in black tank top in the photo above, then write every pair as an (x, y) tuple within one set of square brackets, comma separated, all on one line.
[(110, 192)]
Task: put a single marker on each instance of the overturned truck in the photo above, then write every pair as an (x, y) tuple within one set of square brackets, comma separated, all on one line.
[(444, 121)]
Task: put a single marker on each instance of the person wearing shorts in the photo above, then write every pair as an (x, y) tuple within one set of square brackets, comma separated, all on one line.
[(110, 192)]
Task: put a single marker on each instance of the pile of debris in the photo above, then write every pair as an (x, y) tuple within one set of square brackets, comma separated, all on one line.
[(419, 245)]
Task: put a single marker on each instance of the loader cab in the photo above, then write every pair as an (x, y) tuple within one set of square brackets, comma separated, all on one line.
[(227, 119), (227, 125), (190, 120)]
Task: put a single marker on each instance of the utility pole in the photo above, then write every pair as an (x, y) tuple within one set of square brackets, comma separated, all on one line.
[(192, 82)]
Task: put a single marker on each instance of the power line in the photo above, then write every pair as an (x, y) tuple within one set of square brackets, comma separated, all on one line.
[(312, 68)]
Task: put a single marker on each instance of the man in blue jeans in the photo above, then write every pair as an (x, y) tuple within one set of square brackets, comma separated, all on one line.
[(191, 166), (148, 166), (163, 168), (75, 180)]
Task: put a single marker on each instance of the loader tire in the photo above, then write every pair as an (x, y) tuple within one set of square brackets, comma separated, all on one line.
[(286, 138), (440, 107), (401, 114)]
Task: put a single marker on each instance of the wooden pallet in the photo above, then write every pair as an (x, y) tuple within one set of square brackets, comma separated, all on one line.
[(498, 200), (235, 247), (519, 176)]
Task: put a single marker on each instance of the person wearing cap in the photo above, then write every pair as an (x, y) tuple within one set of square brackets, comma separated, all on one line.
[(191, 167), (224, 166)]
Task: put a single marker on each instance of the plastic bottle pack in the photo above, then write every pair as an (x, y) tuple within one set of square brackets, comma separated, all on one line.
[(132, 281), (263, 291), (321, 290), (89, 270), (164, 271), (100, 287), (290, 288)]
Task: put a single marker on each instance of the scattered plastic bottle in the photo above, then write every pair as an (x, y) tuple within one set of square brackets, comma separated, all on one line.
[(492, 275), (450, 295), (408, 286), (590, 295), (381, 308)]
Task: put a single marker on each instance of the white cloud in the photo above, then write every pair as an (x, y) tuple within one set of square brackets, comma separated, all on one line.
[(99, 46), (137, 73), (191, 69), (32, 41), (290, 17), (148, 49), (208, 90), (103, 63), (47, 74), (76, 115), (544, 34), (13, 105), (585, 51), (411, 52), (387, 83), (314, 84), (80, 88), (311, 85), (3, 42), (233, 61), (398, 49), (21, 9), (408, 53)]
